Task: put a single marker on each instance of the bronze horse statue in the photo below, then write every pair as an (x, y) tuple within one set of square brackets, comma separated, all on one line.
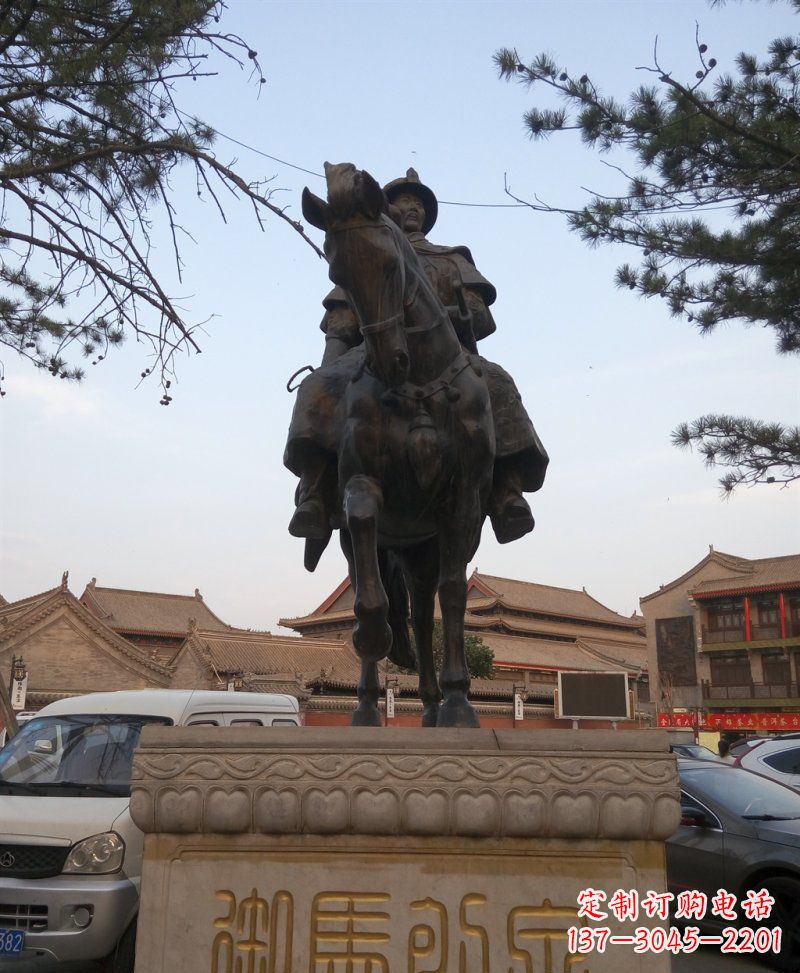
[(416, 453)]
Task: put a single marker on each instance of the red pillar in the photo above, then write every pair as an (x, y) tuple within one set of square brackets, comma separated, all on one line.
[(782, 603), (747, 631)]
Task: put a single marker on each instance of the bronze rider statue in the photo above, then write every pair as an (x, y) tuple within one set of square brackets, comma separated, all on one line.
[(521, 460)]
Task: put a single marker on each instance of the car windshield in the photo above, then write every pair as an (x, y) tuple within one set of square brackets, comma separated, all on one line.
[(83, 754), (743, 793)]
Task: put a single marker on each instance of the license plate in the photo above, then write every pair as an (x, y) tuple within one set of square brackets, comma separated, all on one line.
[(11, 942)]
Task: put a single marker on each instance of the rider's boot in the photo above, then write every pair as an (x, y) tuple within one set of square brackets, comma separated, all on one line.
[(311, 518), (509, 511)]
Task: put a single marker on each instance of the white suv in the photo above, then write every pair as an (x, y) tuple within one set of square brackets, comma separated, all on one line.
[(778, 759)]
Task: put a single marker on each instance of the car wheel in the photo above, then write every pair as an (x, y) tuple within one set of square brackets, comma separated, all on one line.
[(121, 959), (786, 914)]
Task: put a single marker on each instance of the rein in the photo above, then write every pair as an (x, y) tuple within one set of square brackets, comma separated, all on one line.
[(417, 393)]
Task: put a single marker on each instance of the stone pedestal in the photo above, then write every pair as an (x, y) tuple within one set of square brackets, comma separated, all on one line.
[(395, 851)]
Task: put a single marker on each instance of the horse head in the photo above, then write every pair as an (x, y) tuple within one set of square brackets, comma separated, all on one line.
[(366, 258)]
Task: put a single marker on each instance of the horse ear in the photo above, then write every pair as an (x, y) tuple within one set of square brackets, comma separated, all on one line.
[(315, 210), (371, 196)]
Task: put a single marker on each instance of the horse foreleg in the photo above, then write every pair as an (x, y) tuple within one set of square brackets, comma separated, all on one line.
[(421, 564), (457, 541), (372, 637)]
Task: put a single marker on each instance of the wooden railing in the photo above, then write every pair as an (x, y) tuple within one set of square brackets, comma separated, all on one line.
[(758, 633), (753, 690)]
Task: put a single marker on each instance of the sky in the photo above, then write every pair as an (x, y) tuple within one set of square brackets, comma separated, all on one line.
[(100, 480)]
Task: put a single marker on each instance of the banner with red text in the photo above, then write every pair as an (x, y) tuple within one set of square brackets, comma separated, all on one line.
[(775, 722)]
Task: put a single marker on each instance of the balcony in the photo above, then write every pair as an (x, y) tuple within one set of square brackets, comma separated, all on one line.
[(751, 691)]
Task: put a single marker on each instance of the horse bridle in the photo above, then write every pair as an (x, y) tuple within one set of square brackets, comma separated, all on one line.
[(408, 302)]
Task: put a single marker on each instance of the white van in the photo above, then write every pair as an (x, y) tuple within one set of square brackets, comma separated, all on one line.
[(70, 855)]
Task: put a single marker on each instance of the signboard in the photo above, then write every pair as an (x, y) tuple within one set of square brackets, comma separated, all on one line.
[(593, 696), (753, 721), (389, 703), (682, 720), (19, 689), (519, 708), (733, 721)]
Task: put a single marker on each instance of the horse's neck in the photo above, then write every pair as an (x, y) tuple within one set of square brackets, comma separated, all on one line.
[(431, 349)]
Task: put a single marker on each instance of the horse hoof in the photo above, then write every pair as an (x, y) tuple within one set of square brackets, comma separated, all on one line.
[(430, 714), (372, 640), (366, 715), (457, 711)]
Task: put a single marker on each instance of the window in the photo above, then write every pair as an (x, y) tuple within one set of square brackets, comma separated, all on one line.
[(245, 721), (777, 670), (688, 803), (769, 613), (726, 615), (89, 753), (786, 762), (280, 722), (731, 670)]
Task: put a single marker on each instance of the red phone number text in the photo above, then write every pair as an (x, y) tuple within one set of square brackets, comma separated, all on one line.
[(586, 939)]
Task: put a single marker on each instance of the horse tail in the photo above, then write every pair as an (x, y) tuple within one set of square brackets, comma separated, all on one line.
[(402, 652), (424, 449)]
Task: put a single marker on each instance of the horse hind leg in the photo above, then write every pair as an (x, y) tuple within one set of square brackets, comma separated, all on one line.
[(372, 636), (457, 544), (421, 574)]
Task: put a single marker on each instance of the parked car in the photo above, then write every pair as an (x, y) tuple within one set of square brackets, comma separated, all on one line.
[(738, 832), (778, 758), (70, 855), (694, 750)]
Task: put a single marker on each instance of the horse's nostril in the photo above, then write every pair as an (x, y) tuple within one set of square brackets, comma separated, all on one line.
[(401, 360)]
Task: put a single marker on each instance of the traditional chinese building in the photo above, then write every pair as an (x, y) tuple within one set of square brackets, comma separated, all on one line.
[(115, 638), (534, 631), (155, 621), (724, 642), (68, 650)]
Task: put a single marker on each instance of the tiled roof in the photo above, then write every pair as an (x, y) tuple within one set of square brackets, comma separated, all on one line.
[(632, 655), (783, 569), (765, 572), (150, 612), (3, 601), (13, 609), (512, 650), (345, 615), (546, 599), (485, 592), (568, 628), (347, 678), (15, 618), (264, 654)]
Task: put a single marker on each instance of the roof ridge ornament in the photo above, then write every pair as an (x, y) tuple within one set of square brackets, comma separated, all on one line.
[(64, 581)]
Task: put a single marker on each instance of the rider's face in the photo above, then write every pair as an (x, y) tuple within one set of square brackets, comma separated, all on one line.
[(412, 211)]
